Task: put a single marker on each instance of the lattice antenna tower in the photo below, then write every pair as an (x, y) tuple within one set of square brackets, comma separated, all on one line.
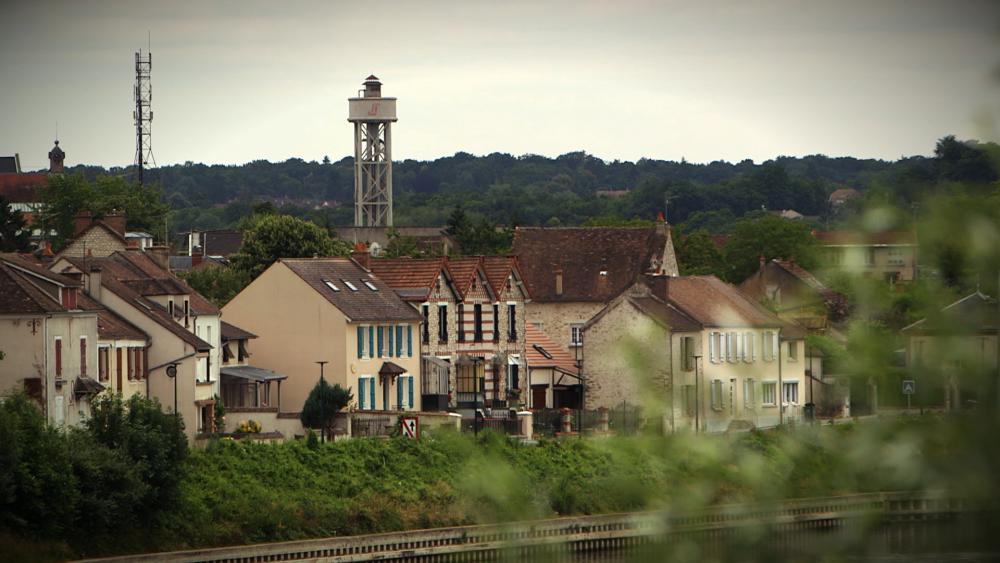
[(143, 114)]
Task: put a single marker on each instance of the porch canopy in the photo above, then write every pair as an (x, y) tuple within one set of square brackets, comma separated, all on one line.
[(390, 369), (252, 374)]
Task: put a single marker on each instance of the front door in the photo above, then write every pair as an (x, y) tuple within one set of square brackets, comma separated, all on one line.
[(538, 393)]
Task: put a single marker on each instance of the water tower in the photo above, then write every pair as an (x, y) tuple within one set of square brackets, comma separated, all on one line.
[(372, 116)]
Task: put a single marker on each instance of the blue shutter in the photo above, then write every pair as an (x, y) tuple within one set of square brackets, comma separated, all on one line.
[(399, 340), (391, 340), (361, 341), (361, 392), (371, 394), (409, 384), (381, 348), (371, 341), (409, 340), (399, 392)]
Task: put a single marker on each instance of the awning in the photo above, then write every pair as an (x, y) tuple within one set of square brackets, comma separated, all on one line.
[(437, 362), (390, 369), (250, 373), (86, 386)]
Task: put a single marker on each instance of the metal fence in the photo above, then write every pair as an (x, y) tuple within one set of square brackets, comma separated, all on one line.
[(372, 424), (623, 419), (508, 424)]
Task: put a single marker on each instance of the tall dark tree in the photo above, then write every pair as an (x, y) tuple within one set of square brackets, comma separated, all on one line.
[(13, 231), (769, 236), (323, 403), (959, 161)]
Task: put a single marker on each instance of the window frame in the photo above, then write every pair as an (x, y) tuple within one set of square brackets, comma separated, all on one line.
[(765, 386)]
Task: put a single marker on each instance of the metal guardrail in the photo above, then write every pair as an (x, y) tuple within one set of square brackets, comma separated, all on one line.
[(580, 533)]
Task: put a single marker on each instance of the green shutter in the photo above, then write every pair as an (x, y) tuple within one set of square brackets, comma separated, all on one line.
[(391, 341), (409, 384), (371, 340), (371, 394), (409, 340), (399, 340), (361, 341), (399, 392), (381, 348), (361, 393)]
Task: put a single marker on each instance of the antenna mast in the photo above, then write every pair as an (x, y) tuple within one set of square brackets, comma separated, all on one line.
[(143, 114)]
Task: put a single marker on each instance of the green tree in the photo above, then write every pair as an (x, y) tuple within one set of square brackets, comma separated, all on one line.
[(959, 161), (401, 245), (66, 196), (153, 441), (769, 236), (323, 403), (697, 254), (218, 284), (266, 238), (478, 237), (13, 231)]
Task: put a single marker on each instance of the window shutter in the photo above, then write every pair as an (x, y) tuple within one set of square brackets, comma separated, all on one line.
[(83, 356), (371, 393), (409, 341), (740, 348), (774, 342), (711, 346), (391, 341), (399, 392), (381, 349), (361, 341), (753, 346), (361, 393), (399, 341), (409, 385)]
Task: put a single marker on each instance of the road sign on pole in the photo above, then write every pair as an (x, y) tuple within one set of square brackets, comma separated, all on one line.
[(909, 386), (411, 427)]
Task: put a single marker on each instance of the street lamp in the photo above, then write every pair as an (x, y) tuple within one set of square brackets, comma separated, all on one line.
[(321, 397), (697, 394), (578, 356), (172, 374)]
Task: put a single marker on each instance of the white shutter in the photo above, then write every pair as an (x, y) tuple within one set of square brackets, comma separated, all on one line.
[(711, 347), (740, 348), (753, 346), (774, 350)]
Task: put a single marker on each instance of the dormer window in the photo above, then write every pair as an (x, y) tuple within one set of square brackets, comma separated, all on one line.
[(331, 285), (371, 286), (349, 285), (68, 295), (604, 272)]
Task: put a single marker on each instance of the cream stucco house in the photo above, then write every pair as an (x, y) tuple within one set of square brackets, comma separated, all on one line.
[(697, 350), (305, 311)]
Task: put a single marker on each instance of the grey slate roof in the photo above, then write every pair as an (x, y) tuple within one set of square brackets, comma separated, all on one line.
[(359, 304)]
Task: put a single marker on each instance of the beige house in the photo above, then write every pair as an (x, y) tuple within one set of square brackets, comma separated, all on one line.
[(332, 310), (698, 351), (572, 273), (48, 340), (952, 356), (183, 330), (889, 256)]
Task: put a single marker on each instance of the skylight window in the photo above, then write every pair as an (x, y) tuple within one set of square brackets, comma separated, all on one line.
[(542, 351), (331, 285), (349, 285), (370, 285), (604, 272)]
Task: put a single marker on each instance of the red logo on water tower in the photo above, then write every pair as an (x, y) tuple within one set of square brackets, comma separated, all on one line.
[(374, 109)]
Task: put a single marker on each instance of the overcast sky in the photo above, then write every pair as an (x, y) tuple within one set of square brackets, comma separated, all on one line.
[(246, 80)]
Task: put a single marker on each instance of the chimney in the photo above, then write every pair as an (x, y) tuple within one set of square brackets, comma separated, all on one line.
[(56, 158), (116, 221), (94, 283), (81, 222), (160, 254), (660, 285), (197, 256), (47, 249), (559, 280), (361, 255)]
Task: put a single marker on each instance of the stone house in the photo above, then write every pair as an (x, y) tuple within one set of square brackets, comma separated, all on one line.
[(699, 352), (48, 340), (953, 354), (572, 273), (553, 374), (332, 310), (182, 329)]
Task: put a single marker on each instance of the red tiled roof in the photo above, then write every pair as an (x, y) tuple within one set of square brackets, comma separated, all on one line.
[(413, 278), (22, 292), (365, 304), (498, 269), (597, 263), (537, 345), (463, 272), (714, 303), (23, 188), (856, 238)]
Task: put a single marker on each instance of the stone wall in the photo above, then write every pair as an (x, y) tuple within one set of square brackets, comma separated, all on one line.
[(96, 241), (555, 319)]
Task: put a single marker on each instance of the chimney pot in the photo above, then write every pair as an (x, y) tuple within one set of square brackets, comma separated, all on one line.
[(82, 221), (559, 280), (160, 254), (360, 255)]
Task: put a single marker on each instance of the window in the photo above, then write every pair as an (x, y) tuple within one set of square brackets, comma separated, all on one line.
[(512, 322), (576, 335), (425, 331), (459, 323), (170, 309), (689, 400), (496, 322), (404, 392), (749, 401), (895, 257), (103, 359), (869, 257), (241, 351), (733, 347), (366, 393), (331, 285), (83, 356), (687, 353), (768, 392), (58, 357), (768, 345), (140, 363), (790, 392), (477, 317), (370, 285), (793, 351), (716, 393), (349, 285), (361, 342), (442, 323), (513, 376), (187, 313)]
